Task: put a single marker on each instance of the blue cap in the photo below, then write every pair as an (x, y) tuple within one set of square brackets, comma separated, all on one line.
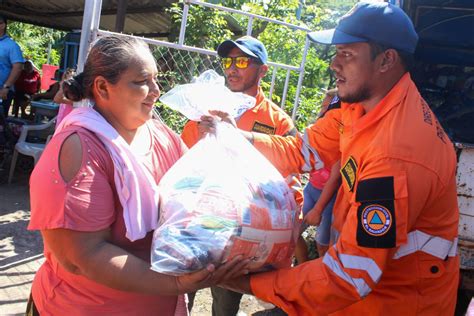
[(248, 44), (378, 22)]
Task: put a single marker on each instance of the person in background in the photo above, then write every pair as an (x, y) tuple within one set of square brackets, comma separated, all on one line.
[(48, 94), (320, 194), (245, 64), (11, 64), (396, 215), (94, 195), (65, 105), (26, 85), (52, 90)]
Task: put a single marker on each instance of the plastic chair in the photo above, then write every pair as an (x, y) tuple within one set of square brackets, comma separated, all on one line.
[(30, 149)]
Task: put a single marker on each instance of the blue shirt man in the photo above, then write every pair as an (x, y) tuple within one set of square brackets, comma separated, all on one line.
[(11, 63)]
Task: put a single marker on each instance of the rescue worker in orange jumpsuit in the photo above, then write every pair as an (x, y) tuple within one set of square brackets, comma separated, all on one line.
[(245, 64), (396, 216)]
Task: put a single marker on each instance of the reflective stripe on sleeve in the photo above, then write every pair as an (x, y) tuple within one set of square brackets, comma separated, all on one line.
[(307, 151), (362, 263), (358, 283), (435, 246)]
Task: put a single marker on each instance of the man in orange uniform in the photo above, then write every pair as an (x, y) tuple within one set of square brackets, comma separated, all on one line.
[(245, 64), (396, 215)]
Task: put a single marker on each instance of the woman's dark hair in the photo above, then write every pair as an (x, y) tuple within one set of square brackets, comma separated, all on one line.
[(109, 57)]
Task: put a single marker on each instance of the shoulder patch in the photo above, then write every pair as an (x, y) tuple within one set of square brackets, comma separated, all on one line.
[(376, 220), (349, 172), (376, 223), (375, 189), (263, 128)]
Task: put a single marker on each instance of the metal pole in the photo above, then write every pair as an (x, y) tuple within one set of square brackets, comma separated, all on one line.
[(121, 14), (90, 23), (272, 85), (90, 26), (85, 34), (96, 20), (249, 26), (285, 89), (300, 79), (184, 21)]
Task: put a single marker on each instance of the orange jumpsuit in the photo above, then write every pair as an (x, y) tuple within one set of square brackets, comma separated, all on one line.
[(265, 117), (395, 219)]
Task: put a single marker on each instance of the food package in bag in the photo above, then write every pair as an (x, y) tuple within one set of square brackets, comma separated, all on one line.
[(223, 199), (207, 92)]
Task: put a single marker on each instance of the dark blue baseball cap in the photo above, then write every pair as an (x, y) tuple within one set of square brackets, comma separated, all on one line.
[(378, 22), (248, 44)]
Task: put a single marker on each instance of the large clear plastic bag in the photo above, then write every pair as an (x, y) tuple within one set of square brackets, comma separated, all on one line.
[(207, 92), (222, 199)]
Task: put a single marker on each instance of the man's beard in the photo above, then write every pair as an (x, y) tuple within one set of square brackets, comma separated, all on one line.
[(361, 95), (245, 85)]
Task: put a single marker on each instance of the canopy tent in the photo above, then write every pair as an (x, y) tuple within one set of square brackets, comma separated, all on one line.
[(140, 17)]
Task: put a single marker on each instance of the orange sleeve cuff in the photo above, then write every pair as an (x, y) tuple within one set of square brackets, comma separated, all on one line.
[(261, 141), (262, 284)]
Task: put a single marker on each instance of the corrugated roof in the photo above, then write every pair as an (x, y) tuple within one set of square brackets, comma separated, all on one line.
[(144, 17)]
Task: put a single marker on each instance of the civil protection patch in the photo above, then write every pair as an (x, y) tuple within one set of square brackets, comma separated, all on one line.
[(376, 220), (263, 128), (349, 172)]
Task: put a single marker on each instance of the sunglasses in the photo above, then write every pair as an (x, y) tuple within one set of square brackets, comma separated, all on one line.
[(240, 62)]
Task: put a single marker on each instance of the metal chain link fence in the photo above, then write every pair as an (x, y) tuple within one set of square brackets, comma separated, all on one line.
[(177, 66)]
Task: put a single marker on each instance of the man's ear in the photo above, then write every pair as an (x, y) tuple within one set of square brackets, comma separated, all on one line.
[(262, 70), (388, 60), (100, 87)]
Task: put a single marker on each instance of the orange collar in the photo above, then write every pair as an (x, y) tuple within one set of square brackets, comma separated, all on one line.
[(391, 100), (258, 100)]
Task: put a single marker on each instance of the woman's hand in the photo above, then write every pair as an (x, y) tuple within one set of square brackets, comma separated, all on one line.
[(212, 275), (313, 218)]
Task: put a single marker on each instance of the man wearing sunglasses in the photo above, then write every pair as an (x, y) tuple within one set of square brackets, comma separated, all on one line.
[(245, 63)]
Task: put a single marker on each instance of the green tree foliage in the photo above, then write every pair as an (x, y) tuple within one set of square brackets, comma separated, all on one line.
[(34, 41), (207, 28)]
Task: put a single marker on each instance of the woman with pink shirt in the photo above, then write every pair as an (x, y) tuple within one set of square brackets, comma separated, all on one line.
[(94, 197)]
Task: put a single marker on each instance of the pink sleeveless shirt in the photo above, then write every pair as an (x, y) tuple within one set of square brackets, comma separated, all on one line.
[(89, 203)]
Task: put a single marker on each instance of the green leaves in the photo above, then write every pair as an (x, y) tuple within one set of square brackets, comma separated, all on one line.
[(207, 28), (34, 41)]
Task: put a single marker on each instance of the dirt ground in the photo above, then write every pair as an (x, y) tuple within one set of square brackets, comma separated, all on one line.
[(21, 253)]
